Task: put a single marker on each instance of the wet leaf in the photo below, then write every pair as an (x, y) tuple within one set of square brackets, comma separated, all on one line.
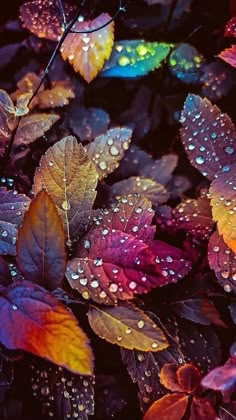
[(185, 63), (33, 126), (223, 196), (222, 378), (44, 327), (199, 310), (230, 29), (222, 260), (229, 55), (108, 149), (217, 80), (41, 259), (202, 409), (208, 136), (87, 52), (127, 326), (8, 234), (12, 206), (135, 58), (171, 406), (58, 96), (70, 179)]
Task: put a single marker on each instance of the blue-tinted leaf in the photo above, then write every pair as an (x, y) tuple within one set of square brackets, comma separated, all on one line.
[(185, 63)]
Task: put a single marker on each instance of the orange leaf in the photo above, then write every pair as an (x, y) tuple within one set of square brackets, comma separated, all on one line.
[(35, 321), (169, 407), (189, 377), (69, 176), (168, 377), (41, 258), (59, 95), (87, 52)]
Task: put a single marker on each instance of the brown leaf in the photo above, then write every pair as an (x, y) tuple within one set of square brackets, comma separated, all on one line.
[(33, 126)]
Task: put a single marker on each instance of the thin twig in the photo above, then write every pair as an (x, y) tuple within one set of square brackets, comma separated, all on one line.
[(63, 15)]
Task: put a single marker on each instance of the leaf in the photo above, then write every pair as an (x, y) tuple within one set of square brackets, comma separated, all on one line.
[(87, 52), (33, 126), (44, 327), (189, 378), (223, 196), (88, 123), (230, 29), (58, 387), (195, 217), (57, 96), (160, 170), (5, 273), (185, 63), (127, 326), (228, 411), (171, 406), (12, 206), (70, 179), (8, 234), (202, 409), (153, 191), (44, 19), (8, 119), (217, 80), (199, 310), (41, 258), (108, 149), (207, 135), (132, 214), (222, 378), (222, 261), (135, 58), (168, 377), (229, 55)]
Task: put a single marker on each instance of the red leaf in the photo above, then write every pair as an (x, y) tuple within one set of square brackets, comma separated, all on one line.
[(202, 410), (222, 378), (230, 29), (208, 136), (34, 321), (229, 55), (189, 378), (168, 377), (87, 52), (171, 406), (41, 253)]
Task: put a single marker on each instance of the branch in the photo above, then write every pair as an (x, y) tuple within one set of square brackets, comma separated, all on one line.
[(63, 15)]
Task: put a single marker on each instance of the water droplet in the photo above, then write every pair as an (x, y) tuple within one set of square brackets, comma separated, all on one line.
[(45, 390), (119, 338), (216, 248), (128, 330), (102, 165), (141, 323), (135, 229), (14, 307), (123, 61), (132, 285), (113, 287), (98, 262), (87, 244), (50, 163), (94, 284), (227, 288), (154, 345), (65, 205), (114, 151), (85, 295), (74, 276), (200, 160), (83, 281), (105, 231), (229, 150), (4, 234)]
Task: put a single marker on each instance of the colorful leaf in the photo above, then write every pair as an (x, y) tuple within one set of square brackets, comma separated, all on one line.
[(88, 123), (44, 327), (222, 378), (87, 52), (202, 409), (171, 406), (8, 234), (223, 197), (229, 55), (222, 261), (5, 273), (12, 206), (127, 326), (160, 170), (188, 377), (70, 179), (168, 377), (108, 149), (185, 63), (135, 58), (217, 80), (57, 96), (230, 29), (33, 126), (208, 136), (199, 310), (41, 259)]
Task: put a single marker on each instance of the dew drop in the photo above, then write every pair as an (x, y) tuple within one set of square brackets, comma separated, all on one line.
[(229, 150), (200, 160), (113, 287), (102, 165), (87, 244), (128, 330), (83, 281), (65, 205), (98, 262), (132, 285), (45, 390), (4, 234), (74, 276), (94, 284), (154, 345), (14, 307), (141, 323), (114, 151)]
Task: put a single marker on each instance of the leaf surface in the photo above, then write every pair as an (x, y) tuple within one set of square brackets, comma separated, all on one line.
[(33, 126), (171, 406), (229, 55)]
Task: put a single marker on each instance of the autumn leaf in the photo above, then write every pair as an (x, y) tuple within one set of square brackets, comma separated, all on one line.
[(189, 377), (70, 179), (108, 149), (168, 377), (57, 96), (229, 55), (87, 52), (171, 406), (223, 196), (41, 259), (34, 321), (212, 147), (33, 126), (222, 378), (202, 409), (127, 326)]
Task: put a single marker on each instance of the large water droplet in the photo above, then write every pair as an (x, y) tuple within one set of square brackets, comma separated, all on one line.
[(65, 205), (200, 160)]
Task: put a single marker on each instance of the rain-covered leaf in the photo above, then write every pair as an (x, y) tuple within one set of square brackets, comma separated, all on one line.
[(171, 406), (41, 259), (88, 123), (127, 326), (34, 321), (62, 393), (217, 79), (199, 310), (108, 149), (223, 261), (87, 52), (134, 58), (230, 29), (57, 96), (69, 177), (44, 18), (33, 126), (155, 192), (208, 136), (229, 55), (222, 378), (201, 409), (194, 217), (8, 234), (185, 63), (223, 197), (12, 206)]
